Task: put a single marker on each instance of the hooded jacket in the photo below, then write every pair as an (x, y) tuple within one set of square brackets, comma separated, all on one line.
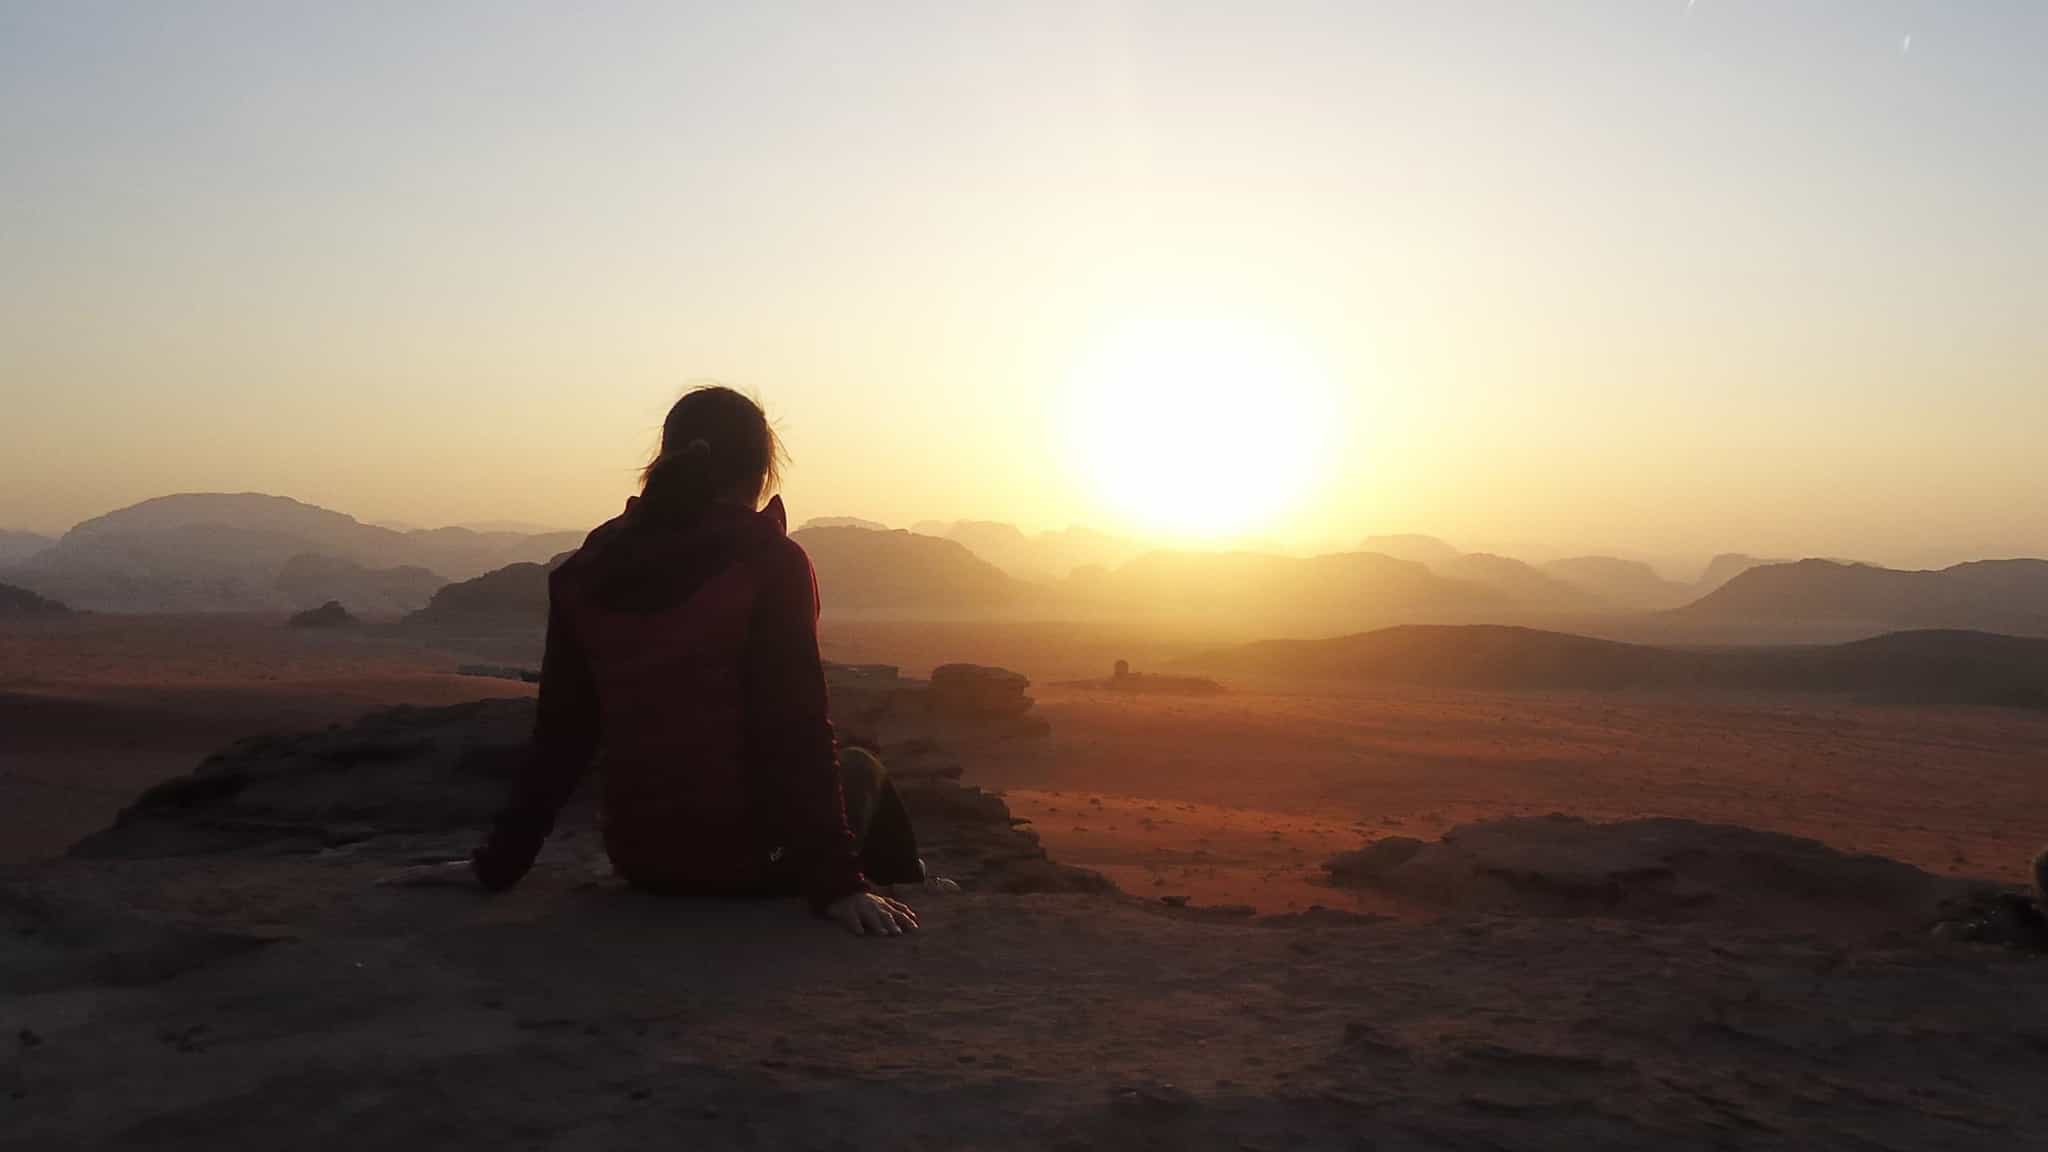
[(682, 665)]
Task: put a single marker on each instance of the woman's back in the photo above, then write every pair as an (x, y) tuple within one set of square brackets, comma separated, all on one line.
[(665, 629), (682, 662)]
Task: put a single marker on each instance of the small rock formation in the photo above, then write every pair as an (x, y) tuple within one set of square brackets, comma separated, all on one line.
[(1122, 679), (974, 690), (1668, 869), (22, 604), (980, 696), (922, 728), (328, 615)]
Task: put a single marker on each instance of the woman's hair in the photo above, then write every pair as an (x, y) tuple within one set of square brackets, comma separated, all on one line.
[(714, 441)]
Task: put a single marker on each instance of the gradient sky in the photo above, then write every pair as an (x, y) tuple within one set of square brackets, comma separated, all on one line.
[(1649, 276)]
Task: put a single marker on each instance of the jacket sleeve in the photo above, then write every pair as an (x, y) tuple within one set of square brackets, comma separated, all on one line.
[(789, 732), (565, 738)]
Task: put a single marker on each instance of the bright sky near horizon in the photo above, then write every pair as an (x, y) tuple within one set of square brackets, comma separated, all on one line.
[(1653, 277)]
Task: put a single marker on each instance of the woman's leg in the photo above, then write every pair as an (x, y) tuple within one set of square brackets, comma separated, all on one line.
[(881, 825)]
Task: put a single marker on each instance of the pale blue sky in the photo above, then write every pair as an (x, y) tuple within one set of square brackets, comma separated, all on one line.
[(1618, 275)]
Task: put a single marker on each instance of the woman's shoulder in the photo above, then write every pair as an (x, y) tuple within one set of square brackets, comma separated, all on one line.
[(781, 560), (572, 564)]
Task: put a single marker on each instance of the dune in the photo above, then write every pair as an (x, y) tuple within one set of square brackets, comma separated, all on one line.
[(1930, 667)]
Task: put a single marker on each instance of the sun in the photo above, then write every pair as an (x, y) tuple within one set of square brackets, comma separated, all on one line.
[(1198, 428)]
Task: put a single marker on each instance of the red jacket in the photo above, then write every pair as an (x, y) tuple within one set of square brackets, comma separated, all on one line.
[(684, 664)]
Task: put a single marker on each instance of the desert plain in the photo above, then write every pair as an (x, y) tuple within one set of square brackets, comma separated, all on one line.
[(1226, 993)]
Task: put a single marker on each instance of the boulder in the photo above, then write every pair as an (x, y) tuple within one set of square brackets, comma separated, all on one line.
[(990, 701), (975, 691), (923, 725)]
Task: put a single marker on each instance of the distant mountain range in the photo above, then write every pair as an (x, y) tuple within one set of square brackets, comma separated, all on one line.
[(845, 522), (897, 575), (1425, 550), (252, 552), (1922, 667), (16, 547), (1624, 584), (219, 552), (1990, 595), (1040, 556), (1727, 566), (904, 575)]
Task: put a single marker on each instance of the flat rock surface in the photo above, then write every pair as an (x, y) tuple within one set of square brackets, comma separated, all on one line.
[(1658, 868), (230, 967), (292, 1001)]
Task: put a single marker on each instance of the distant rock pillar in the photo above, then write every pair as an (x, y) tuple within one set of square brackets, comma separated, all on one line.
[(1123, 669)]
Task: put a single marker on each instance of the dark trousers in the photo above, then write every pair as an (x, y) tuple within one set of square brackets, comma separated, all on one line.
[(880, 823)]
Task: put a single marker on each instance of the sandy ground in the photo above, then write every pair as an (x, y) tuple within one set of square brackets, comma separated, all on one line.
[(294, 1001), (325, 1011), (1238, 798), (1234, 799)]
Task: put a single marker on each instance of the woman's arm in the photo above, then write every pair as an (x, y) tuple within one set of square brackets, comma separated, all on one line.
[(789, 732), (565, 736)]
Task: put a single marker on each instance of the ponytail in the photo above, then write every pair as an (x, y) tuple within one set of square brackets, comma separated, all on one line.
[(677, 487)]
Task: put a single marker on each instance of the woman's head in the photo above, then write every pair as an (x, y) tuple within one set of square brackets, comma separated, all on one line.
[(715, 445)]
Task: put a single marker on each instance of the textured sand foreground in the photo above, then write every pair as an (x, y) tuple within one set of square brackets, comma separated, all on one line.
[(246, 981), (570, 1014), (226, 968)]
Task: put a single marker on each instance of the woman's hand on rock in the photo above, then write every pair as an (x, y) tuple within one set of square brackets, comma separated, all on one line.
[(441, 874), (869, 914)]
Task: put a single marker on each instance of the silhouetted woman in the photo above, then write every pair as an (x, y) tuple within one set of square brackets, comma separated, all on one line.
[(682, 662)]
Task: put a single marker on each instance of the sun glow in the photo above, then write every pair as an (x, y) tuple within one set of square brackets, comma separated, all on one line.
[(1198, 428)]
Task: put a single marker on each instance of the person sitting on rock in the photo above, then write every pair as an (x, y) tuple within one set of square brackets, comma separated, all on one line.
[(682, 662)]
